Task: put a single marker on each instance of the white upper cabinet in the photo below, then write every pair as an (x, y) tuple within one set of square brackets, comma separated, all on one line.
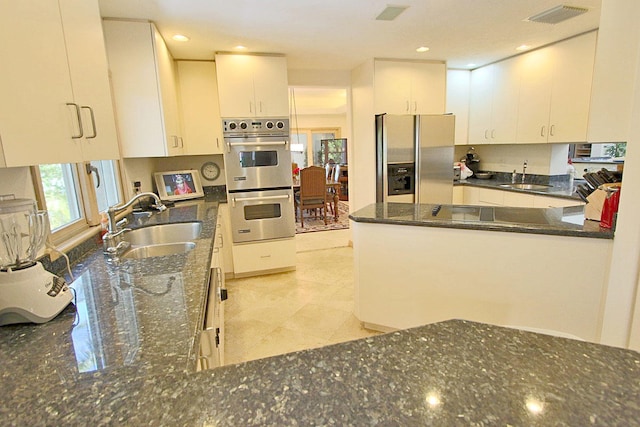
[(556, 90), (143, 77), (493, 112), (252, 85), (200, 113), (404, 87), (55, 103)]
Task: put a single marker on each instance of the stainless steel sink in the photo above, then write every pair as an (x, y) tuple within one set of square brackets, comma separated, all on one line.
[(527, 186), (149, 251), (164, 233)]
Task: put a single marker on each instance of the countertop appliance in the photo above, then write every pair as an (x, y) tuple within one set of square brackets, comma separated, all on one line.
[(421, 143), (28, 293), (257, 162)]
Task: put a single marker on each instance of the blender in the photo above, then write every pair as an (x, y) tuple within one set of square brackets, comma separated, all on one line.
[(28, 293)]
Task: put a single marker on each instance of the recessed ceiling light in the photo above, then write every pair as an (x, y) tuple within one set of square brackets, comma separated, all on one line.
[(471, 65), (180, 38), (240, 47), (523, 47), (422, 49)]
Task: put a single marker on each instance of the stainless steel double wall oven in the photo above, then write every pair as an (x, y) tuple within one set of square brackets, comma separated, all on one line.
[(257, 162)]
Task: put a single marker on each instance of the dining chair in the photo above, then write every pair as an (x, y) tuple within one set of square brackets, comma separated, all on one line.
[(313, 193), (331, 191)]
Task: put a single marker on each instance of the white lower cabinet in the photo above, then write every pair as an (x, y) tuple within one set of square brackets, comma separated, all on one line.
[(263, 257), (212, 336)]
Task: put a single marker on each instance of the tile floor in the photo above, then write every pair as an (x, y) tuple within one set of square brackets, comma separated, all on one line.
[(307, 308)]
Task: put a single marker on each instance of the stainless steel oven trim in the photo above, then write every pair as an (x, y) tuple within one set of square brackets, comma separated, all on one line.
[(257, 199)]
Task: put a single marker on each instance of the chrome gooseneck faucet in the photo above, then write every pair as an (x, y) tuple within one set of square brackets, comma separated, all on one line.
[(112, 242), (524, 170)]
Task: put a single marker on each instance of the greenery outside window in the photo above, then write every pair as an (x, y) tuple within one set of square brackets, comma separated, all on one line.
[(76, 194)]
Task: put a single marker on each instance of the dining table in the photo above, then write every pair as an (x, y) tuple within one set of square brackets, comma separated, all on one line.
[(331, 185)]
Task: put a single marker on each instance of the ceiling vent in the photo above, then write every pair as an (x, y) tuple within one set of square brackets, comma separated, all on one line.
[(391, 12), (557, 14)]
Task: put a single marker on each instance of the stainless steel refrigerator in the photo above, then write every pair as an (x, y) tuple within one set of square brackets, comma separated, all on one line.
[(414, 158)]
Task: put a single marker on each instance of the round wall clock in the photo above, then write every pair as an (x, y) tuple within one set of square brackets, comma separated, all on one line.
[(210, 171)]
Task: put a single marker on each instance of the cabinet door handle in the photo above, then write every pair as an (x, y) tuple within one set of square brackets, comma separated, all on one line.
[(175, 141), (493, 133), (79, 117), (93, 121), (551, 130), (407, 109), (217, 143), (250, 107), (415, 105), (260, 106), (181, 142), (542, 130), (486, 134)]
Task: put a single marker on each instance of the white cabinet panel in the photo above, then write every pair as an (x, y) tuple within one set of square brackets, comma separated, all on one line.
[(409, 87), (50, 81), (264, 256), (144, 87), (571, 91), (556, 91), (252, 85), (200, 112), (493, 113), (90, 77)]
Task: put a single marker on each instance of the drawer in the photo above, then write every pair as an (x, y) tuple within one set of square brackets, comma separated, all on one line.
[(264, 256)]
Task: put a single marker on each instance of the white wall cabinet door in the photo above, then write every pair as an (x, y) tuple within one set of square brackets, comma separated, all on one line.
[(271, 86), (556, 91), (571, 91), (480, 104), (504, 107), (90, 78), (45, 105), (392, 87), (409, 87), (200, 112), (428, 87), (535, 96), (144, 88), (494, 103), (252, 86)]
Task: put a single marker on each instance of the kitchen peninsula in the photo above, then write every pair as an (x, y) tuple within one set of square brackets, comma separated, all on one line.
[(527, 267)]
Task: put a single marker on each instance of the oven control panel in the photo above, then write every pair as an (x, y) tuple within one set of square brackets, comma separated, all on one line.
[(255, 126)]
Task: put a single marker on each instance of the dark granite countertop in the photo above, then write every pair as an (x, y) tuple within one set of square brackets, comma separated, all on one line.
[(127, 358), (449, 373), (568, 221), (555, 189)]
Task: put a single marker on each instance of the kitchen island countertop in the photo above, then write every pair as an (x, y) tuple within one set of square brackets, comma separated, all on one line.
[(568, 221)]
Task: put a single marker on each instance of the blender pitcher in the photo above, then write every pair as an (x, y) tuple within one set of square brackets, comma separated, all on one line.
[(28, 293)]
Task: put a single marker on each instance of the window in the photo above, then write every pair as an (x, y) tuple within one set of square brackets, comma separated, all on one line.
[(75, 194), (59, 184), (306, 145)]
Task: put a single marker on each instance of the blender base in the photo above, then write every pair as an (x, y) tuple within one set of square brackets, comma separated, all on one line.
[(31, 295)]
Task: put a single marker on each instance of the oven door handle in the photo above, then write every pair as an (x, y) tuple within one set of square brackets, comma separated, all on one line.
[(253, 144), (254, 199)]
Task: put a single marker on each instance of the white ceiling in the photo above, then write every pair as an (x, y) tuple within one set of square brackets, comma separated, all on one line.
[(341, 34)]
